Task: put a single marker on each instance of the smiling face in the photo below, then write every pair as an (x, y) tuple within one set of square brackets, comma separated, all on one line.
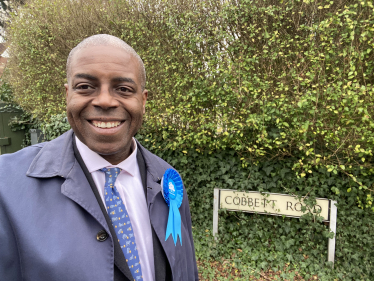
[(105, 101)]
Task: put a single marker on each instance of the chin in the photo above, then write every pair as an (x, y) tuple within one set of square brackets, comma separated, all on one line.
[(112, 150)]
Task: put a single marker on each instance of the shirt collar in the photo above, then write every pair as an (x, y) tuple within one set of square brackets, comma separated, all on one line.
[(95, 162)]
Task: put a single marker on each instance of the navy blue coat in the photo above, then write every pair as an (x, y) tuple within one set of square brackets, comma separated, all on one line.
[(50, 217)]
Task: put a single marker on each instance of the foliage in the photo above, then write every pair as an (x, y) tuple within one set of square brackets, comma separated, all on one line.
[(6, 94), (265, 78), (56, 126), (247, 94), (250, 243), (6, 7)]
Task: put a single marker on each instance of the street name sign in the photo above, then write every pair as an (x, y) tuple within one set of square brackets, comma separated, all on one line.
[(274, 204)]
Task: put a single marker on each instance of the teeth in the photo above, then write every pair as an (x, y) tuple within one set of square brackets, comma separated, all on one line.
[(106, 124)]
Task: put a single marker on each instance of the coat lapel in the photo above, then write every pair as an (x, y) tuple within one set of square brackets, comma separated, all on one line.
[(78, 189), (162, 266), (56, 159), (157, 208)]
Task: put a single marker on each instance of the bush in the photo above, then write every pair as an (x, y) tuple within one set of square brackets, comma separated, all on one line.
[(265, 78), (250, 243)]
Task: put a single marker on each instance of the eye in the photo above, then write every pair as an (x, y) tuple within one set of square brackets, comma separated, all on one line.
[(124, 89), (83, 87)]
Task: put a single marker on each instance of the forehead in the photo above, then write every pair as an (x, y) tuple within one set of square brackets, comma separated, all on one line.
[(103, 59)]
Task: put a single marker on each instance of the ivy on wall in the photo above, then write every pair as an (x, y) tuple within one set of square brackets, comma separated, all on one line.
[(252, 243)]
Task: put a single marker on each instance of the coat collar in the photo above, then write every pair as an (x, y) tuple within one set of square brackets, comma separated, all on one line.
[(56, 158), (154, 165), (155, 170)]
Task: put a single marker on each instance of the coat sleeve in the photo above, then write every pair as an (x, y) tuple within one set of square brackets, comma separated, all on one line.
[(189, 227), (10, 265)]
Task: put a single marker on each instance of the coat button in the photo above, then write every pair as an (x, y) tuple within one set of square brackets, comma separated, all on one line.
[(101, 236)]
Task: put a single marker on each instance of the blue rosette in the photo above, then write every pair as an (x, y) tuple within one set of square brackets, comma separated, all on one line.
[(172, 190)]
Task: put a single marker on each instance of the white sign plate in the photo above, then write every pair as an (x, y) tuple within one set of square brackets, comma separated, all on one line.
[(269, 203)]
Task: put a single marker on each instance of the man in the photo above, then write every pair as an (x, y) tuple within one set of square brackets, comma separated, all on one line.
[(61, 202)]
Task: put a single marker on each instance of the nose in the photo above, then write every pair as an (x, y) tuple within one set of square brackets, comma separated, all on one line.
[(105, 99)]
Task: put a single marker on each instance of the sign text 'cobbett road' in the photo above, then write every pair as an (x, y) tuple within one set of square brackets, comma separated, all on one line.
[(270, 203), (277, 205)]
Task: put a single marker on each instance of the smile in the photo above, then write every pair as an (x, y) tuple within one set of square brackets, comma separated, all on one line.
[(105, 125)]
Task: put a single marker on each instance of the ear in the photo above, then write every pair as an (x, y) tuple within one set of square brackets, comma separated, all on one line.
[(145, 96), (66, 91)]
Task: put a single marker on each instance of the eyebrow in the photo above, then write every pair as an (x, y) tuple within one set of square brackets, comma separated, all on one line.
[(123, 79), (93, 78), (86, 76)]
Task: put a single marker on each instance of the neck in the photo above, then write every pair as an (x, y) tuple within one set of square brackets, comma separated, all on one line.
[(119, 156)]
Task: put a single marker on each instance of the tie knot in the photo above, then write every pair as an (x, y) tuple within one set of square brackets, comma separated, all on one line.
[(111, 174)]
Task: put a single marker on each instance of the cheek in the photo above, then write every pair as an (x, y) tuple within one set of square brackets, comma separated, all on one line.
[(139, 108), (75, 106), (134, 109), (70, 112), (73, 112)]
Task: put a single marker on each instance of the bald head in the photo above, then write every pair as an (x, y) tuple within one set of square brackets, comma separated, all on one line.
[(106, 40)]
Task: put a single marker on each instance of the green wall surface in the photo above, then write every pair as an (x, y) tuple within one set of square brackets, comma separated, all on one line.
[(10, 141)]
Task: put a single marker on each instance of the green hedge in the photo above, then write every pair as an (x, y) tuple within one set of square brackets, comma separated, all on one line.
[(265, 78), (248, 94), (259, 242)]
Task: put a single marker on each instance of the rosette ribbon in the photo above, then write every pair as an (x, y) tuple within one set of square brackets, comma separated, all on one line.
[(172, 189)]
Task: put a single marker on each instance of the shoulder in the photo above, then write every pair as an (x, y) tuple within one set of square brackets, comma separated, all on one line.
[(13, 169), (47, 157), (19, 160)]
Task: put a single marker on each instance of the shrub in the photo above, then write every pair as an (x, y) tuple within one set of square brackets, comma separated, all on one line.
[(265, 78)]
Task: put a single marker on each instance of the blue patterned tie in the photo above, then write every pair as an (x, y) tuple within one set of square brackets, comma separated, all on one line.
[(121, 222)]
